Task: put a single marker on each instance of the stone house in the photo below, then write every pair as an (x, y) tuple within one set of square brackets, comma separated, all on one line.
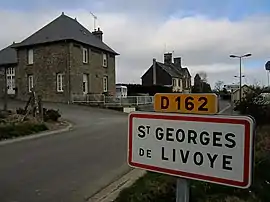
[(168, 73), (8, 62), (63, 59)]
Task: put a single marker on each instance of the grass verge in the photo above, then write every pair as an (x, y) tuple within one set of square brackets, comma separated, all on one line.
[(154, 187)]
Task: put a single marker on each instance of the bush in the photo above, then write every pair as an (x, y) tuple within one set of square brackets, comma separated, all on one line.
[(21, 129), (51, 115), (251, 105), (20, 111)]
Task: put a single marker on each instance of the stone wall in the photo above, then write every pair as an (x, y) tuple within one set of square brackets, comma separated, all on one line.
[(65, 58), (2, 82), (48, 61), (93, 68)]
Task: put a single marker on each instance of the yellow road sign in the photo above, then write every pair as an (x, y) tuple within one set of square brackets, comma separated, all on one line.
[(186, 103)]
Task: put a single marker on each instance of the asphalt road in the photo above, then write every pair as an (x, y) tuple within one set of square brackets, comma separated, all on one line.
[(71, 166)]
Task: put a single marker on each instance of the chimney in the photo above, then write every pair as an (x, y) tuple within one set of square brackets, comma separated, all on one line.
[(177, 61), (98, 33), (154, 72), (167, 58)]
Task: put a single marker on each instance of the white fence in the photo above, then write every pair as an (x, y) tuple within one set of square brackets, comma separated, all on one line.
[(112, 100)]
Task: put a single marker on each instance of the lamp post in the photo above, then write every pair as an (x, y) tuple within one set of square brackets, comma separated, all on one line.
[(240, 71)]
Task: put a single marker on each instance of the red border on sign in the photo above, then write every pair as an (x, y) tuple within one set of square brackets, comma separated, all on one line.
[(246, 123)]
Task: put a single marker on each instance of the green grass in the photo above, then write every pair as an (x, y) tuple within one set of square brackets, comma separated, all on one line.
[(21, 129), (150, 187)]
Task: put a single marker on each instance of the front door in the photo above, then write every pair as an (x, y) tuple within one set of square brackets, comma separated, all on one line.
[(11, 81)]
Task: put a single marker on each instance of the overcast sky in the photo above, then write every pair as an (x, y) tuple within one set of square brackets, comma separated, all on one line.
[(203, 32)]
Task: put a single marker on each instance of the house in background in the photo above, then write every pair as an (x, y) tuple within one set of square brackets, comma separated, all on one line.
[(168, 73), (8, 63), (235, 95), (63, 59), (200, 86), (231, 87)]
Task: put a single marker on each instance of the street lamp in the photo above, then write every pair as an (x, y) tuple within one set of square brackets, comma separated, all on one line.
[(240, 71)]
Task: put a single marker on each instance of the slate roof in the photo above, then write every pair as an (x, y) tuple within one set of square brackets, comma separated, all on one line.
[(65, 28), (8, 56), (173, 70)]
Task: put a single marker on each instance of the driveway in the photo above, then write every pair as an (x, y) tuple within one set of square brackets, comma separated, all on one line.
[(70, 166)]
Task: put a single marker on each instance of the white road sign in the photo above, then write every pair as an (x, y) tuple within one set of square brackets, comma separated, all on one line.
[(217, 149)]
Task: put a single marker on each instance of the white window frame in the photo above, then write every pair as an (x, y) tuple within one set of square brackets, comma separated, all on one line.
[(59, 82), (85, 55), (30, 56), (105, 84), (86, 81), (30, 82), (174, 82), (104, 60)]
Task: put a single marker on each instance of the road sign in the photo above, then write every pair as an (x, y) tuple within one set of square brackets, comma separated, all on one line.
[(186, 103), (213, 149)]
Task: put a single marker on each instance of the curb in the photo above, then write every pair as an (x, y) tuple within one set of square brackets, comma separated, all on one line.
[(109, 193), (37, 135), (226, 108)]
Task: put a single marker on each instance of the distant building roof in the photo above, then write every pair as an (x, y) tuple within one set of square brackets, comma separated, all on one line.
[(8, 56), (173, 70), (64, 28)]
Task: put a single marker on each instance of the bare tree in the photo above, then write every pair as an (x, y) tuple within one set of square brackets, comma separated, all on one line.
[(203, 76), (219, 85)]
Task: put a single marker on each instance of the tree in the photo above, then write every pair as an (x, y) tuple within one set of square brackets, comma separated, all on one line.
[(203, 76), (218, 86)]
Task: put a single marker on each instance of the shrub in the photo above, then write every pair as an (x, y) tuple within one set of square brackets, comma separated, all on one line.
[(21, 129), (251, 105), (51, 115), (20, 111)]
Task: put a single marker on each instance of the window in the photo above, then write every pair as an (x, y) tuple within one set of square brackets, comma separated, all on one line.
[(179, 82), (174, 82), (187, 86), (30, 56), (85, 55), (30, 82), (104, 61), (105, 84), (85, 83), (59, 82)]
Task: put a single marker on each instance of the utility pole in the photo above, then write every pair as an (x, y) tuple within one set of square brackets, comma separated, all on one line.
[(95, 18)]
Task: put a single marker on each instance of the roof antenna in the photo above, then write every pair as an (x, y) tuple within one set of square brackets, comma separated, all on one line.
[(95, 18)]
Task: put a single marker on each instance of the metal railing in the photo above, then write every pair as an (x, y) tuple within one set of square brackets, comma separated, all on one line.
[(112, 100), (129, 100), (88, 98)]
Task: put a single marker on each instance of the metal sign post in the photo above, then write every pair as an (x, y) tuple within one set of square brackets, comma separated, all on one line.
[(182, 190)]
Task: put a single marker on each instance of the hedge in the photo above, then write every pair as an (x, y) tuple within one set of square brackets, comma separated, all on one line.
[(21, 129)]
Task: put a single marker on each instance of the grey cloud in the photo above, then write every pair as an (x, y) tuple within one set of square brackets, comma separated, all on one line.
[(203, 44)]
